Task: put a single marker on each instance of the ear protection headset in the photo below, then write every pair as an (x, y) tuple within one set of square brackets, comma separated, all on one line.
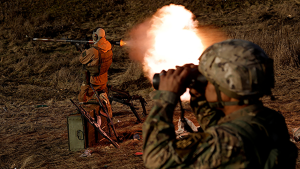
[(95, 36)]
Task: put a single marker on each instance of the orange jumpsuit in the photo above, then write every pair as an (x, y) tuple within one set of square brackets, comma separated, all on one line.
[(96, 62)]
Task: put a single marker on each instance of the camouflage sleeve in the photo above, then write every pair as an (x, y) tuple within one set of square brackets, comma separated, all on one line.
[(205, 115), (217, 146)]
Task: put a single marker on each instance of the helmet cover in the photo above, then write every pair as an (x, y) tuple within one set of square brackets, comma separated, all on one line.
[(240, 68)]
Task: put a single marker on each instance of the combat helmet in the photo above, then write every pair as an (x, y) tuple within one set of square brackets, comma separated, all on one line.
[(238, 68), (98, 33)]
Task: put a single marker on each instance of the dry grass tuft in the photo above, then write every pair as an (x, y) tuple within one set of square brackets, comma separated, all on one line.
[(26, 161), (133, 72), (279, 45)]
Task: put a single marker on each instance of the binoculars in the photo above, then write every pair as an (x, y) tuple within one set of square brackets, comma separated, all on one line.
[(196, 81)]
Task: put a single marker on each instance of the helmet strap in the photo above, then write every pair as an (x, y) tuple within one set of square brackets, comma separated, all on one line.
[(220, 103)]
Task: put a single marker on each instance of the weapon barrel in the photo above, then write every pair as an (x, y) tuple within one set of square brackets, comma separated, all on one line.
[(119, 43), (63, 40)]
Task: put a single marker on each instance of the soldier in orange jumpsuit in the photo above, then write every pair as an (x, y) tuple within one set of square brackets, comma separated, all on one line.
[(96, 62)]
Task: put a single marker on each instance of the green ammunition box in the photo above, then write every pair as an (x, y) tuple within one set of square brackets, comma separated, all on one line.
[(81, 134), (76, 132)]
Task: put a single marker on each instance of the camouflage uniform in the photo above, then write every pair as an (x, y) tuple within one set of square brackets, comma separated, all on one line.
[(252, 137)]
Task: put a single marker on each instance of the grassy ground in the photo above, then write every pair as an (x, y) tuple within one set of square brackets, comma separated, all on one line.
[(34, 73)]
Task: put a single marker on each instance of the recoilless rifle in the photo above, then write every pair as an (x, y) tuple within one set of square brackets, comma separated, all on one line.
[(78, 43)]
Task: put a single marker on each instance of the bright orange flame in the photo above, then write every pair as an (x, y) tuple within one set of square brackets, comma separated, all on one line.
[(168, 39), (122, 43), (175, 40)]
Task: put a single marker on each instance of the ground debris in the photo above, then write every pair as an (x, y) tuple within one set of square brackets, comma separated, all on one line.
[(86, 153)]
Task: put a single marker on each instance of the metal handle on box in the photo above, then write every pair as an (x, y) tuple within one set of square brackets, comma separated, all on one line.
[(80, 134)]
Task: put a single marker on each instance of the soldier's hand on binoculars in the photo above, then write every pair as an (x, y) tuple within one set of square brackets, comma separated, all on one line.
[(174, 80), (189, 65)]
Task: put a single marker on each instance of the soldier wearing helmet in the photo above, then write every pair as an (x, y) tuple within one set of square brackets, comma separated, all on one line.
[(96, 62), (238, 131)]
